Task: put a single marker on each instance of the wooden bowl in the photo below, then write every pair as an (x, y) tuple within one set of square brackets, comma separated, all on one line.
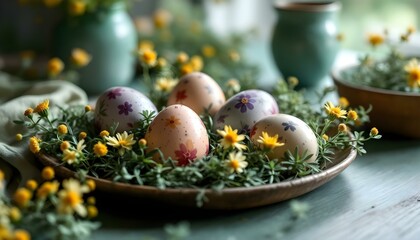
[(227, 199), (392, 111)]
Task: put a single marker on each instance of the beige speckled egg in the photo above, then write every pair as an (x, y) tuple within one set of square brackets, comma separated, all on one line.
[(291, 131), (122, 106), (199, 92), (244, 109), (179, 133)]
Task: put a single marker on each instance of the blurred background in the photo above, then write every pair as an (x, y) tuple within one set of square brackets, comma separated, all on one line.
[(24, 27)]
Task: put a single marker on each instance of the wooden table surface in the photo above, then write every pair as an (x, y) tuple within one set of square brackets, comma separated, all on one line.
[(376, 197)]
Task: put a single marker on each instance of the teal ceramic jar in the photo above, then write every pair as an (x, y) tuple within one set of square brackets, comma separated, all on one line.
[(304, 41), (108, 34)]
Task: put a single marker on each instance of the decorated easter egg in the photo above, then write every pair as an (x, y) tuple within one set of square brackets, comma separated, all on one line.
[(244, 109), (179, 133), (121, 107), (199, 92), (291, 131)]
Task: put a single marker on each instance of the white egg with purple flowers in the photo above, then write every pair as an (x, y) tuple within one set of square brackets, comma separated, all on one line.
[(121, 107), (244, 109), (291, 131)]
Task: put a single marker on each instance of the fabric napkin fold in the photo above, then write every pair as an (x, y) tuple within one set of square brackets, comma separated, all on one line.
[(16, 96)]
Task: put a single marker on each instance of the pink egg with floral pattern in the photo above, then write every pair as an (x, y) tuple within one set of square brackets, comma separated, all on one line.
[(199, 92), (179, 133), (291, 131), (244, 109), (121, 107)]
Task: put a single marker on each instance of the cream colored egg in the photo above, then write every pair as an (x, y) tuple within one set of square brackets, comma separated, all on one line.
[(179, 133), (199, 92), (291, 131)]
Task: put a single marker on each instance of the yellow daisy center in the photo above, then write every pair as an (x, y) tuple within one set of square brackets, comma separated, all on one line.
[(72, 199)]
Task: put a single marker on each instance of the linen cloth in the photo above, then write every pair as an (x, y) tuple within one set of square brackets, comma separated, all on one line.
[(16, 95)]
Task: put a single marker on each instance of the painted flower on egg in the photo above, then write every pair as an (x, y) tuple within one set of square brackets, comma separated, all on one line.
[(186, 153), (245, 101)]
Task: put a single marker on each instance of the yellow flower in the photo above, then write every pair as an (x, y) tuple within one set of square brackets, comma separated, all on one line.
[(413, 73), (325, 137), (64, 145), (104, 133), (161, 18), (293, 81), (148, 57), (91, 200), (88, 108), (91, 184), (18, 137), (100, 149), (80, 57), (62, 129), (31, 184), (48, 173), (208, 51), (234, 85), (92, 212), (342, 127), (268, 142), (4, 232), (21, 234), (72, 156), (28, 112), (231, 138), (42, 107), (70, 198), (69, 156), (185, 69), (1, 176), (22, 197), (334, 111), (375, 39), (343, 102), (234, 56), (182, 57), (55, 66), (34, 145), (411, 29), (145, 45), (122, 142), (374, 131), (340, 37), (77, 7), (165, 84), (352, 115), (196, 63), (236, 162), (161, 62), (51, 3), (46, 189), (15, 214), (82, 135), (142, 143)]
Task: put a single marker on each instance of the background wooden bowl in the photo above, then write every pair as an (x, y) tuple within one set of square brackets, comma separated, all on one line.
[(393, 111)]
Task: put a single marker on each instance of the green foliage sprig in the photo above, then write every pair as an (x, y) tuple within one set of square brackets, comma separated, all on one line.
[(92, 151)]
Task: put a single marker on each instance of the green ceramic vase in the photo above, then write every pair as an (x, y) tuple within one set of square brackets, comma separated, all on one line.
[(304, 42), (108, 34)]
